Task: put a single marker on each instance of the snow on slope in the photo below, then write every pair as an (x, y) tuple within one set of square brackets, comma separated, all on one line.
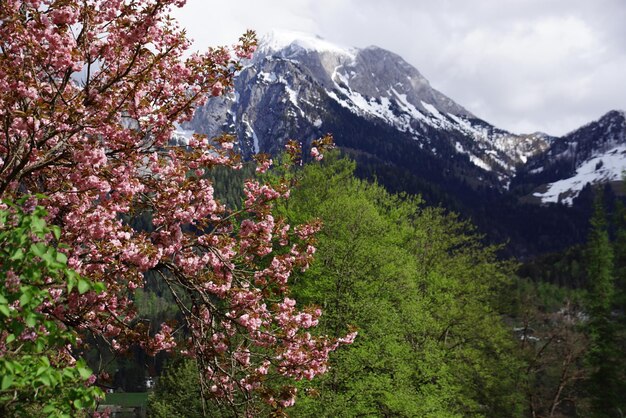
[(378, 84), (495, 143), (608, 166)]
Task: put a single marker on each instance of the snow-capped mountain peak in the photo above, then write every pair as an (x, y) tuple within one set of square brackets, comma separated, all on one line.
[(302, 86), (297, 74), (279, 40)]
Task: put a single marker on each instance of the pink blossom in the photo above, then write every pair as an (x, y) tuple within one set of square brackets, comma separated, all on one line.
[(217, 89), (103, 154), (316, 154), (12, 281)]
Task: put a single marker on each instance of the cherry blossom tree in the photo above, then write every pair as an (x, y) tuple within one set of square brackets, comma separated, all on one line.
[(90, 92)]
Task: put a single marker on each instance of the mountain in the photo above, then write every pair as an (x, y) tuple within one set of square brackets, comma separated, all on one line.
[(592, 154), (296, 78), (410, 137)]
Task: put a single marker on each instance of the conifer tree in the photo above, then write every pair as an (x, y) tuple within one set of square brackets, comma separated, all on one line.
[(603, 385)]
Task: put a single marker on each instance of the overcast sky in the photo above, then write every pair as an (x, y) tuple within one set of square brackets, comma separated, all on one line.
[(522, 65)]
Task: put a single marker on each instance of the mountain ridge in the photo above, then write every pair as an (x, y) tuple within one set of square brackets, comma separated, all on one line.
[(592, 154), (295, 78)]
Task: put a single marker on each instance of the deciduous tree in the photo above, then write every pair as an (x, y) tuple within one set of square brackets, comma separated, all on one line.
[(423, 292), (90, 92)]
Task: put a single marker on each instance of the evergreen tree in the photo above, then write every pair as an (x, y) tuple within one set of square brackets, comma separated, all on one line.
[(619, 250), (603, 383)]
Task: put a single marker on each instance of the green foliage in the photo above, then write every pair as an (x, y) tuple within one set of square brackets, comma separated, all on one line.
[(423, 293), (228, 183), (563, 269), (38, 378), (547, 297), (177, 392), (619, 251), (574, 341), (154, 305), (605, 358), (599, 265)]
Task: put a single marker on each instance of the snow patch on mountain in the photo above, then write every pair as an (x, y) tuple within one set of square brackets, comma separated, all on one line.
[(478, 162), (433, 110), (408, 107), (406, 113), (269, 78), (293, 97), (608, 166), (357, 103)]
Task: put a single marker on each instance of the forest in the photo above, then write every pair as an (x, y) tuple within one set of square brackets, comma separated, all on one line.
[(288, 285), (446, 327)]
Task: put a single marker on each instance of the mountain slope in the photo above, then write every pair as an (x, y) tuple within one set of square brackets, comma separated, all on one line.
[(287, 90), (592, 154), (412, 138)]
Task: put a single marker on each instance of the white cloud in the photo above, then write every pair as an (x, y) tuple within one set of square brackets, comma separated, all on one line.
[(524, 65)]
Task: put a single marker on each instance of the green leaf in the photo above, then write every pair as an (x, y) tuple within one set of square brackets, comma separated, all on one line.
[(84, 372), (4, 309), (3, 299), (99, 287), (17, 367), (41, 370), (49, 258), (45, 379), (50, 409), (17, 255), (10, 338), (31, 320), (26, 297), (37, 224), (56, 231), (39, 249), (83, 286), (7, 380), (71, 284), (9, 366), (61, 258), (71, 280), (78, 404)]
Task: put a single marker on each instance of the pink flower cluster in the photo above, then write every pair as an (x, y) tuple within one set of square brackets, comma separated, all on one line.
[(162, 341), (316, 154)]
